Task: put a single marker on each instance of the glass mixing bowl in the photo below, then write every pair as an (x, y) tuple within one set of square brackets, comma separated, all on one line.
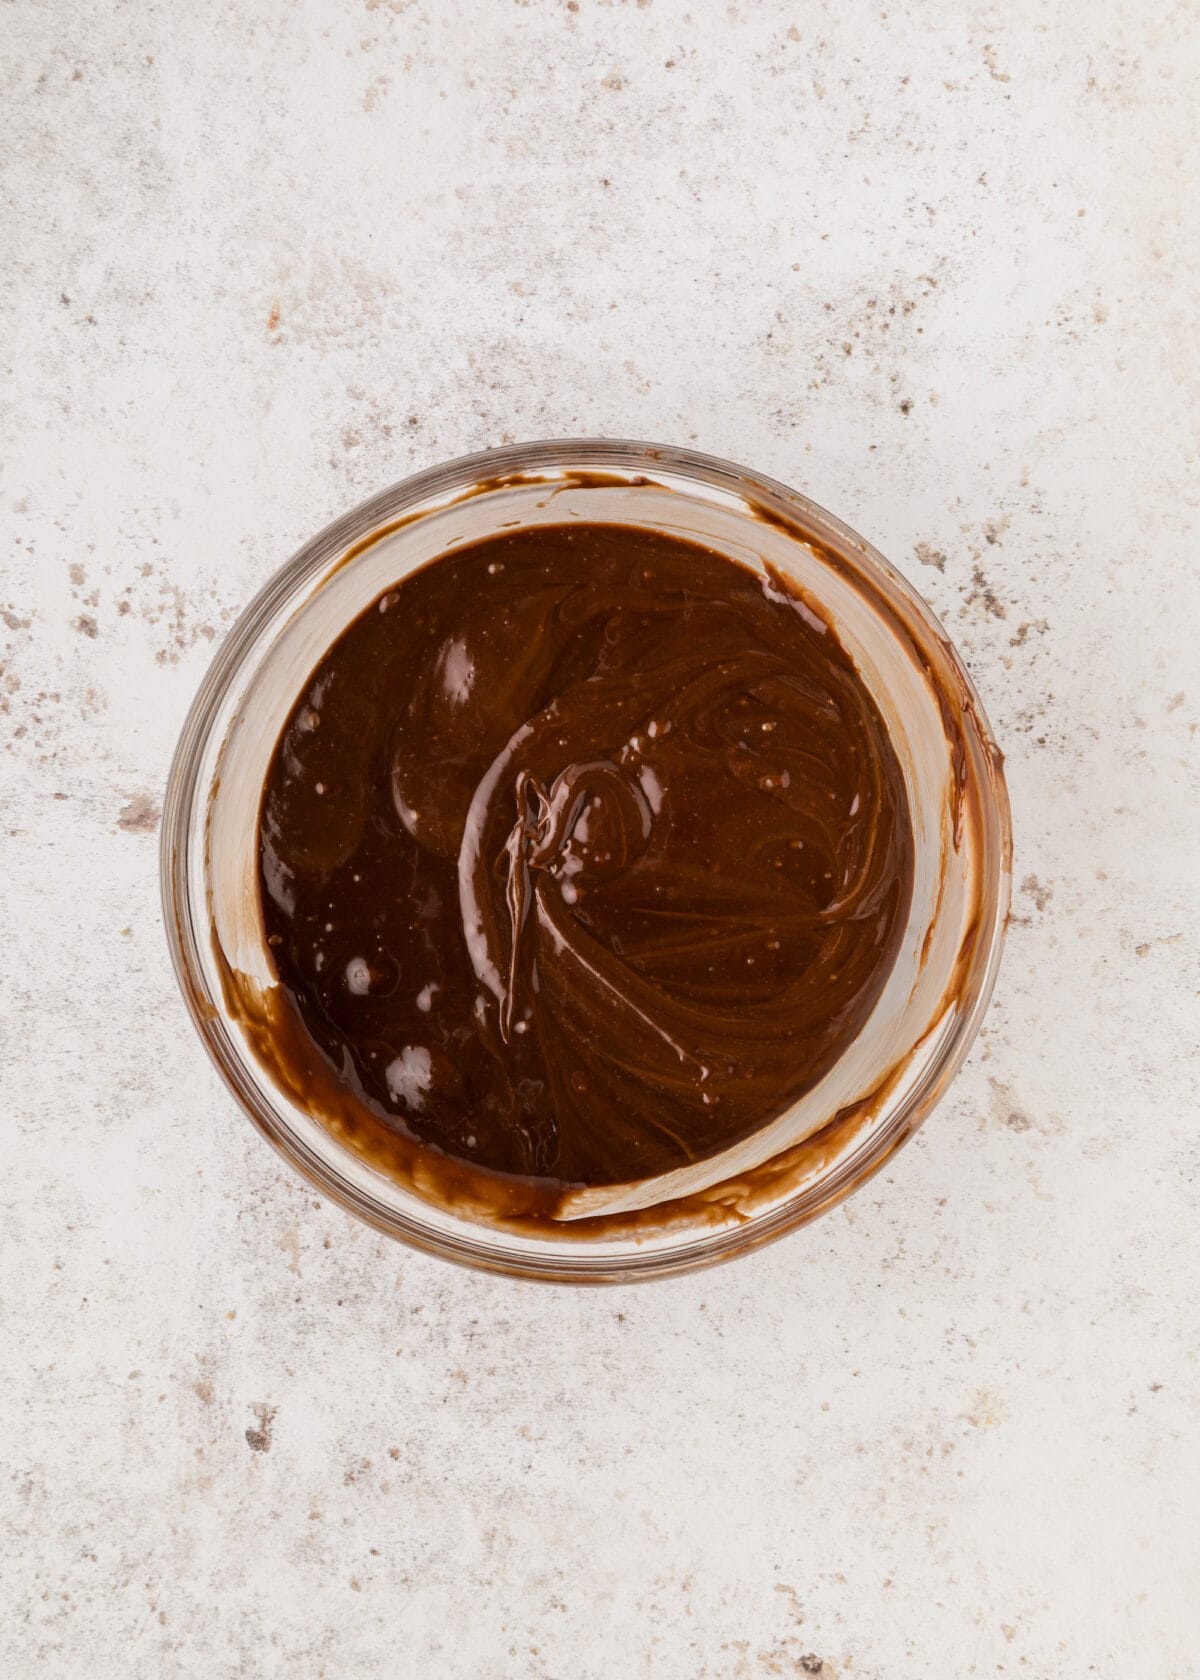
[(837, 1135)]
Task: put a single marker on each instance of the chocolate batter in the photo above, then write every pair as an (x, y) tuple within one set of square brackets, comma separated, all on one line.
[(583, 853)]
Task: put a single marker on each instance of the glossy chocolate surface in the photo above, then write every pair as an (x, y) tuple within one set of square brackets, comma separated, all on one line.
[(583, 853)]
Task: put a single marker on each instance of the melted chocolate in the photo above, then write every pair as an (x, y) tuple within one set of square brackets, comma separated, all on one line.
[(583, 854)]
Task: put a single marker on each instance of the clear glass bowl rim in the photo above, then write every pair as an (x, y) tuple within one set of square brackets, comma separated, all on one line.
[(183, 918)]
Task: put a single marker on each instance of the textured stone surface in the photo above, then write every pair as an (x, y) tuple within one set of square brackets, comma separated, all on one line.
[(935, 265)]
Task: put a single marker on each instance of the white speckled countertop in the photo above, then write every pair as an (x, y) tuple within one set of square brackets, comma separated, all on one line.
[(934, 265)]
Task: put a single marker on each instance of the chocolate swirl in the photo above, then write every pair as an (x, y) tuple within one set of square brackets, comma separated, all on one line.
[(584, 853)]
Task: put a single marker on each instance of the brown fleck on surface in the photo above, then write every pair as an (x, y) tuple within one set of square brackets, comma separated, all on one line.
[(260, 1437), (1041, 895), (139, 815), (989, 59), (983, 594)]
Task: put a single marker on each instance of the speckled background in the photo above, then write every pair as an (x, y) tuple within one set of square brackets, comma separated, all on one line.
[(934, 264)]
